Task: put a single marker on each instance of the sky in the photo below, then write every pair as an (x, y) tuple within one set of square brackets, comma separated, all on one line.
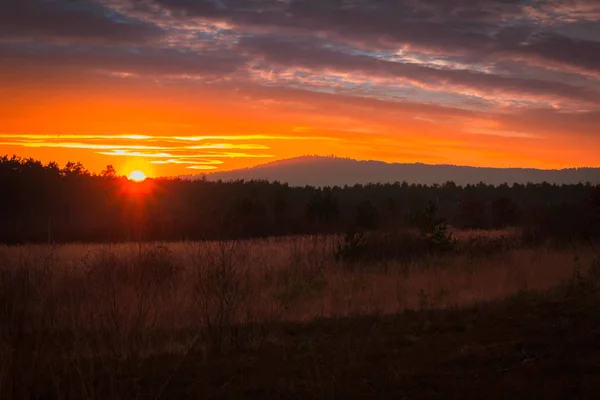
[(178, 87)]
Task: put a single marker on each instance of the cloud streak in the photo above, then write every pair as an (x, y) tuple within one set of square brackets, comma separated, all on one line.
[(188, 151)]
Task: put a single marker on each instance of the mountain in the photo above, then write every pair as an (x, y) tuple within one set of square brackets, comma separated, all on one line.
[(331, 171)]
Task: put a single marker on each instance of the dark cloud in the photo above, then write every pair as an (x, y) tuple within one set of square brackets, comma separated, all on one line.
[(567, 10), (448, 43), (135, 60), (480, 28), (584, 54), (374, 21), (70, 20), (318, 55)]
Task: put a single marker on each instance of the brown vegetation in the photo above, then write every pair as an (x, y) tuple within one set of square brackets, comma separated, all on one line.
[(95, 321)]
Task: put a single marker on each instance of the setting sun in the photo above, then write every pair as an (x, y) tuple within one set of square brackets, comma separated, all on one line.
[(137, 176)]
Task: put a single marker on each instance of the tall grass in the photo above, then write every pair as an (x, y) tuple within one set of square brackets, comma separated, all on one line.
[(75, 318)]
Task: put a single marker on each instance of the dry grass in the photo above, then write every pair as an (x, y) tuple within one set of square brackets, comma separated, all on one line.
[(74, 311), (290, 279)]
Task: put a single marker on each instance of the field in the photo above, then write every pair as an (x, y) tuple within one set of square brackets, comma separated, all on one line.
[(242, 318)]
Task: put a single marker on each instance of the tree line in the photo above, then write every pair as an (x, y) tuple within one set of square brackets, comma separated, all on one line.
[(49, 203)]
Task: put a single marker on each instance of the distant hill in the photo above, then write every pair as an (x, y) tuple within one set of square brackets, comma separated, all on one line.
[(331, 171)]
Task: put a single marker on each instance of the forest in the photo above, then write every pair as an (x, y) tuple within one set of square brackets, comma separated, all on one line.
[(47, 203)]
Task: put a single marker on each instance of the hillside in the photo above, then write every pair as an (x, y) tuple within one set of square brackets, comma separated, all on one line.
[(331, 171)]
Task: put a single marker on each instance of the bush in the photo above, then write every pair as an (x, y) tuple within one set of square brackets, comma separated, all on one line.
[(434, 230), (352, 247)]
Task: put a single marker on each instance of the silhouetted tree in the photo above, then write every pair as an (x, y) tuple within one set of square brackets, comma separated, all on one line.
[(434, 229), (45, 202), (109, 172), (595, 198), (504, 212), (74, 169), (595, 211), (366, 216), (472, 213), (250, 215), (323, 206)]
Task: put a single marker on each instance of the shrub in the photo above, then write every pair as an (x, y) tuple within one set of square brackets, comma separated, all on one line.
[(434, 229), (352, 247)]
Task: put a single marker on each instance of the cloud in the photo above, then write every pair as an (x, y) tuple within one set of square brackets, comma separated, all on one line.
[(75, 21), (476, 28), (134, 60), (575, 53), (443, 45), (194, 152), (378, 21), (566, 11), (318, 56)]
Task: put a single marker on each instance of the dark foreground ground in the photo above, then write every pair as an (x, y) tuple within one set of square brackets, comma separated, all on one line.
[(536, 347)]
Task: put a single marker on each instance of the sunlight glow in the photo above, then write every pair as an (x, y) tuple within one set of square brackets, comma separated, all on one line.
[(137, 176)]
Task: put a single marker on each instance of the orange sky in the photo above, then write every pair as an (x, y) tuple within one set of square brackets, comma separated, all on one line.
[(244, 91)]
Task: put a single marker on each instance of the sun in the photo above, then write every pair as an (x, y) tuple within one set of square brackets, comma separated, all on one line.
[(137, 176)]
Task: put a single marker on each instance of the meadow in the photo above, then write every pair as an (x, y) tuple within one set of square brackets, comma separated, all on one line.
[(125, 320)]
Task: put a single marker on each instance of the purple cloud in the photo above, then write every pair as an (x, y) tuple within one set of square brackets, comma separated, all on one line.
[(74, 21)]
